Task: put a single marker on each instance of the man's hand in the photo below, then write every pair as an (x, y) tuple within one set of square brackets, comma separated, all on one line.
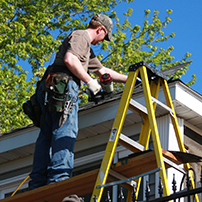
[(94, 86)]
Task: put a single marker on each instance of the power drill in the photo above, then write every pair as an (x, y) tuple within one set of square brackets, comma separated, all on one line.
[(106, 92)]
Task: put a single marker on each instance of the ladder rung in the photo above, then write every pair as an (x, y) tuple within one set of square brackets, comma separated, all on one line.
[(174, 165), (130, 144), (162, 105), (137, 107), (136, 147)]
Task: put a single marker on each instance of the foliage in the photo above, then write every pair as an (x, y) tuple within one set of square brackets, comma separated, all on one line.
[(14, 90), (31, 31)]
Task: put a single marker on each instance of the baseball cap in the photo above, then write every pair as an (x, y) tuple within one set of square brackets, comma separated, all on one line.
[(107, 23)]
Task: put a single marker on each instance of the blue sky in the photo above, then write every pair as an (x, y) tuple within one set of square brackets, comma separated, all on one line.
[(186, 23)]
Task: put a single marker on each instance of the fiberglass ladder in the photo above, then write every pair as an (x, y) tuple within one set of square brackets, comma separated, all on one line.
[(151, 81)]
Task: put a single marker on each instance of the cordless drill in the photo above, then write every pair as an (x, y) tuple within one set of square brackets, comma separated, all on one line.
[(106, 92)]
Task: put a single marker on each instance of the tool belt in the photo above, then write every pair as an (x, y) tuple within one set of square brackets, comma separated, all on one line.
[(56, 99), (57, 96), (56, 91)]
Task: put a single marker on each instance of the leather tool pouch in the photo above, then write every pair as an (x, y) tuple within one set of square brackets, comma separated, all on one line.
[(33, 110), (57, 89)]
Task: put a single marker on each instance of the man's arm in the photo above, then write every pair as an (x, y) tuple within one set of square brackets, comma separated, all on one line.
[(116, 77), (75, 66)]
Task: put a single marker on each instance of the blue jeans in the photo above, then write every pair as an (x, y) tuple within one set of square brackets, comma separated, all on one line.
[(54, 149)]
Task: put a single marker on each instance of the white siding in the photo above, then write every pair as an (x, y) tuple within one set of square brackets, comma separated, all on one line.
[(169, 142)]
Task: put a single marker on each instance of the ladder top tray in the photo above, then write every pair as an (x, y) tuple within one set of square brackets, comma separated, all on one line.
[(151, 71)]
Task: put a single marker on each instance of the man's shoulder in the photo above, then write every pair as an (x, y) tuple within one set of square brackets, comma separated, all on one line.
[(79, 37), (80, 33)]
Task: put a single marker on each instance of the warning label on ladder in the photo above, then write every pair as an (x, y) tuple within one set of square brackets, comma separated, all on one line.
[(113, 135)]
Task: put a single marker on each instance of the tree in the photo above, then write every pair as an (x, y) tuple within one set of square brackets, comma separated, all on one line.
[(31, 31)]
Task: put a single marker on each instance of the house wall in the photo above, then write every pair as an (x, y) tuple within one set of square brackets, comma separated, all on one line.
[(169, 142), (193, 142)]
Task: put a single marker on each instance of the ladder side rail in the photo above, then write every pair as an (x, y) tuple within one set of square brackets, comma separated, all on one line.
[(146, 130), (174, 117), (114, 135), (144, 139), (154, 129), (176, 128)]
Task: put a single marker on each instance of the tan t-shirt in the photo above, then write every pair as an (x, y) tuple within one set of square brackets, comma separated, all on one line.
[(78, 43)]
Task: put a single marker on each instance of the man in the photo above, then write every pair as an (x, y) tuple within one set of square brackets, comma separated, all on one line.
[(54, 155)]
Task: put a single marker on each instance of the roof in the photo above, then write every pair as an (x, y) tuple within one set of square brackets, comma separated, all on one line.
[(190, 93)]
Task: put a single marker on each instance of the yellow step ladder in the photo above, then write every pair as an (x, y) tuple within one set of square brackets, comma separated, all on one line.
[(151, 81)]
